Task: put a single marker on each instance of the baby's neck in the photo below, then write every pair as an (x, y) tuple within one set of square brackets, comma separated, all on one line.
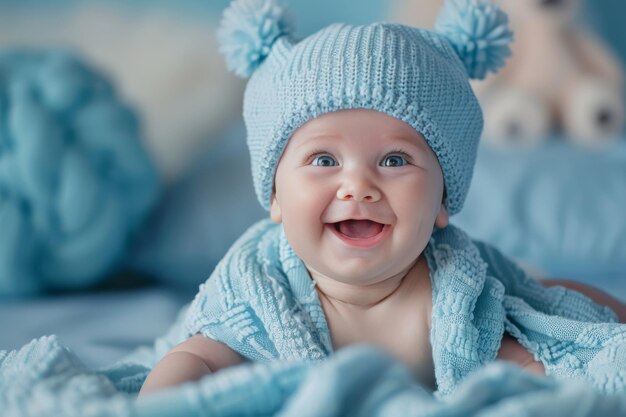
[(361, 296)]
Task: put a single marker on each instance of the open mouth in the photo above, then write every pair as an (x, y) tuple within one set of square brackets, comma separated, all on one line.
[(358, 229), (360, 233)]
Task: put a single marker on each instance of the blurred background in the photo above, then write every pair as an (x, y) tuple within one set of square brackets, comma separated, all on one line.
[(124, 175)]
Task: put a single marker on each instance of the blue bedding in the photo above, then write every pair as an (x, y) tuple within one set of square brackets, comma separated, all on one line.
[(44, 378), (100, 328)]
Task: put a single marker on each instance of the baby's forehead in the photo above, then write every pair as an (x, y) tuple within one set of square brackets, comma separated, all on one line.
[(358, 123)]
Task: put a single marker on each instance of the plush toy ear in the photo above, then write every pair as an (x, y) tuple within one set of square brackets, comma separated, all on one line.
[(479, 33), (247, 32)]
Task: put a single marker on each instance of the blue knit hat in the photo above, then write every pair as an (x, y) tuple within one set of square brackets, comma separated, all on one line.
[(418, 76)]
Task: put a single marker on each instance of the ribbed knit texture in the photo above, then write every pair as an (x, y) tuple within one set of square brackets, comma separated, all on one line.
[(261, 302), (414, 75)]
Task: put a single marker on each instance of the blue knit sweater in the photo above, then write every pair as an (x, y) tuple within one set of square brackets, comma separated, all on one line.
[(261, 301)]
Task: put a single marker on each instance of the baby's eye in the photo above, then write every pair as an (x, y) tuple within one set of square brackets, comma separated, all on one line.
[(324, 161), (394, 161)]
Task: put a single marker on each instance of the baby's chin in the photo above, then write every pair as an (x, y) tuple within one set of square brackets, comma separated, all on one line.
[(356, 276)]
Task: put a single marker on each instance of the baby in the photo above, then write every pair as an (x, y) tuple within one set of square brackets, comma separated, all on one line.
[(363, 141)]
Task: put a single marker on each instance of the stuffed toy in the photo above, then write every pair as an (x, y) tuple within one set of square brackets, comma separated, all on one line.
[(559, 81)]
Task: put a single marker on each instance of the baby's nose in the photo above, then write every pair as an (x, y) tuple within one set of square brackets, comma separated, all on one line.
[(360, 190)]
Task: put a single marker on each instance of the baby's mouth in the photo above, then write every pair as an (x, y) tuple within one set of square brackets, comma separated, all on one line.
[(358, 229)]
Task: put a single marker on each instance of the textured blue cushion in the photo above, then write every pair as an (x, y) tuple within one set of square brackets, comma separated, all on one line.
[(75, 180)]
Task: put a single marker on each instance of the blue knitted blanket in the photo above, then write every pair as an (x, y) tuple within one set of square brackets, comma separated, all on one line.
[(261, 302), (44, 379)]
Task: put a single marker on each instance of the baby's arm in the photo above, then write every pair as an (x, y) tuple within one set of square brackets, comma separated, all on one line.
[(189, 361), (595, 294)]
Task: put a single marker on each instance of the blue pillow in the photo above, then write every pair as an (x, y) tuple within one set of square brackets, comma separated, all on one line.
[(557, 207)]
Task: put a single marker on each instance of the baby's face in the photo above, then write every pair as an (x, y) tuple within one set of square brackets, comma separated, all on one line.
[(358, 193)]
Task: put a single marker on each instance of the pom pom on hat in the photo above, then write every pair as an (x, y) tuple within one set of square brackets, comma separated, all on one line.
[(479, 33), (247, 32)]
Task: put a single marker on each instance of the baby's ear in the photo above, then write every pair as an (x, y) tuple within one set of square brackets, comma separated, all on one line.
[(275, 213), (441, 221)]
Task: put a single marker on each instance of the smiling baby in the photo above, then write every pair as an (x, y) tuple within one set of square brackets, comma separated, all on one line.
[(363, 141)]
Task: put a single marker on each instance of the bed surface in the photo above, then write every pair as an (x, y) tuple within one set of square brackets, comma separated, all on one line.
[(100, 328)]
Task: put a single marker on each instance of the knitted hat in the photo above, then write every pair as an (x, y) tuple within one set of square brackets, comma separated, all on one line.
[(418, 76)]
